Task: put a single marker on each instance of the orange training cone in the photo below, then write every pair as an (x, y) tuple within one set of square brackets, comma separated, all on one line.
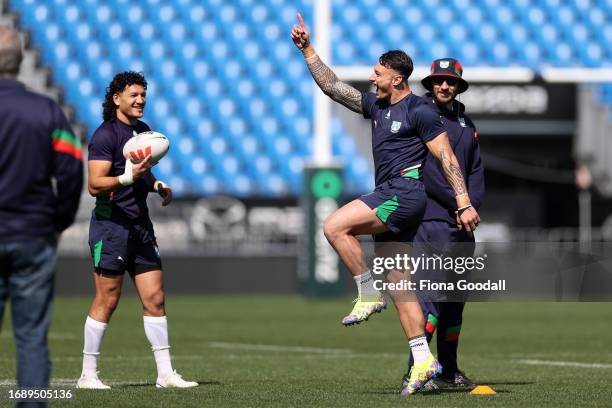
[(483, 390)]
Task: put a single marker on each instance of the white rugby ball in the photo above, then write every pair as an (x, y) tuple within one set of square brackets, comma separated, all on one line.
[(145, 143)]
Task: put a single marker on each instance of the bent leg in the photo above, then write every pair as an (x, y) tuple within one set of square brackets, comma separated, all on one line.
[(342, 227)]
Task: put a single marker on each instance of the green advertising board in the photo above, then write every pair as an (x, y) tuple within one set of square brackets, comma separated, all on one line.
[(319, 265)]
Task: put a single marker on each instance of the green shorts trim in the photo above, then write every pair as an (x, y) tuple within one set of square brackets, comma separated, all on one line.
[(387, 208), (97, 253)]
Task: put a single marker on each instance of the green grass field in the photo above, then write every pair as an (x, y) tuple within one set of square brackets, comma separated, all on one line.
[(288, 351)]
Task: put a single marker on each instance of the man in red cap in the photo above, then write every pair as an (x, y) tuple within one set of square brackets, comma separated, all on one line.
[(439, 232)]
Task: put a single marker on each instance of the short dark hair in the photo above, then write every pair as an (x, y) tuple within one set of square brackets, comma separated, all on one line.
[(117, 85), (10, 51), (399, 61)]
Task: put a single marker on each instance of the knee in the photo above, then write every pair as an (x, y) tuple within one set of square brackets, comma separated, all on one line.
[(154, 303), (408, 309), (332, 229), (109, 302)]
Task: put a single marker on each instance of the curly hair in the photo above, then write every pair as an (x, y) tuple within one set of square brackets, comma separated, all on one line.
[(117, 85), (399, 61)]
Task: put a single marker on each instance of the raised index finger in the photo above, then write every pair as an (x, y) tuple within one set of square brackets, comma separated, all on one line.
[(301, 20)]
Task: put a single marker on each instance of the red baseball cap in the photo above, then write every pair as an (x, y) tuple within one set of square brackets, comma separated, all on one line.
[(446, 67)]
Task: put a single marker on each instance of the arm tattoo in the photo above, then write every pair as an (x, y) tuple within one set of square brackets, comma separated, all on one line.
[(333, 87), (452, 173)]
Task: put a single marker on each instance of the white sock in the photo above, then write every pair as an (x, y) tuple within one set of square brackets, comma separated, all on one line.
[(365, 286), (419, 348), (156, 329), (93, 335)]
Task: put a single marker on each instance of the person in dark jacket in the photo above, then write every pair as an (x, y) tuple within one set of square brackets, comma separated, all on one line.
[(439, 232), (41, 177)]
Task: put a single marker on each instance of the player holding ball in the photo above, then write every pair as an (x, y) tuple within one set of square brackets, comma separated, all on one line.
[(121, 235)]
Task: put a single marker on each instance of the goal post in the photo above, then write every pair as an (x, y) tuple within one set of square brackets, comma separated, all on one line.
[(323, 185), (319, 266)]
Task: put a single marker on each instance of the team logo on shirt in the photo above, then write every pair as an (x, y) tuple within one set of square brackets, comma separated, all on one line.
[(461, 120), (395, 126)]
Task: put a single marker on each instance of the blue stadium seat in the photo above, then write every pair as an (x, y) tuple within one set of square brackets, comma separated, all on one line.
[(99, 15), (235, 97)]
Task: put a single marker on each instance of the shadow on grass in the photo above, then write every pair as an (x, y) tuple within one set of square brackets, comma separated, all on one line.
[(395, 391), (152, 384), (389, 391), (506, 383), (458, 391)]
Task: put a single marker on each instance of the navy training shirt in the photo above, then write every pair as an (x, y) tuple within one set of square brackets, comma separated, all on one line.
[(399, 133), (107, 144), (37, 147), (463, 138)]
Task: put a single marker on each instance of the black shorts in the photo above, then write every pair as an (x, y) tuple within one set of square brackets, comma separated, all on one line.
[(123, 245), (400, 203)]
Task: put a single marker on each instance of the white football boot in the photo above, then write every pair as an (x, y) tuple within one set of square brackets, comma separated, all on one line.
[(174, 380), (91, 382)]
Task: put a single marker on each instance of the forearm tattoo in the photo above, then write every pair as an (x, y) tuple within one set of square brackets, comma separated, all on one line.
[(452, 173), (333, 87)]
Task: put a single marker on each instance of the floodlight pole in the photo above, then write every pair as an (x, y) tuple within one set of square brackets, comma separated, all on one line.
[(319, 265)]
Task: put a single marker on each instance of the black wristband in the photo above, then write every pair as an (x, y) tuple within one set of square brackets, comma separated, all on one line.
[(462, 209)]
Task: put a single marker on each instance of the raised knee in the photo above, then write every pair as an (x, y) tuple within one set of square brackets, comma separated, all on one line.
[(331, 230)]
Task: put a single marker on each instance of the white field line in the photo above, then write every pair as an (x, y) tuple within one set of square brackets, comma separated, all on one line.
[(71, 382), (6, 334), (564, 364), (104, 357), (269, 347), (301, 351), (325, 352)]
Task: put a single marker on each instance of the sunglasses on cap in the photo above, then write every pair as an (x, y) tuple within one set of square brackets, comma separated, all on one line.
[(439, 80)]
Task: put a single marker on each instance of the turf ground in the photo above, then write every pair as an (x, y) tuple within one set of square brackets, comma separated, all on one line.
[(288, 351)]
